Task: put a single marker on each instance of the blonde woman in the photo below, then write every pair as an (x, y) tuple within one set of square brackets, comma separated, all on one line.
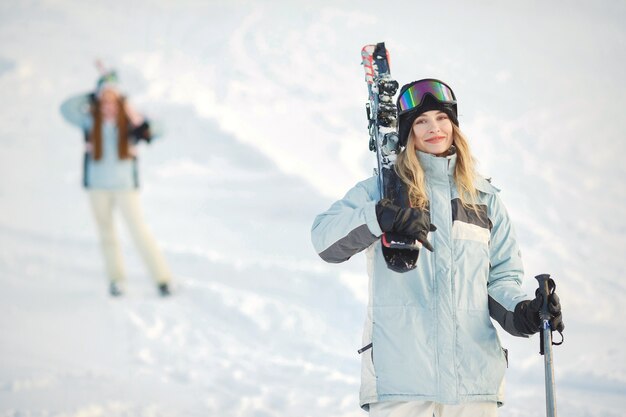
[(112, 128), (429, 346)]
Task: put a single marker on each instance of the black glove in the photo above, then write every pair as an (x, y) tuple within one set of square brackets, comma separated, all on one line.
[(410, 222), (526, 315), (142, 132)]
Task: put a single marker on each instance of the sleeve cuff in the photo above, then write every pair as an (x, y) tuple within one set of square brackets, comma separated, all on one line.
[(371, 220)]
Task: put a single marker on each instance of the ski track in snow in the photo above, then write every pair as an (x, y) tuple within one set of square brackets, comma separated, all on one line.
[(215, 347), (211, 340)]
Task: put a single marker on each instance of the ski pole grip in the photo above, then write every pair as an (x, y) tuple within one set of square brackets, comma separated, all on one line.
[(544, 290)]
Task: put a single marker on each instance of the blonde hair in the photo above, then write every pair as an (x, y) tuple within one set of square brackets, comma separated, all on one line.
[(410, 171)]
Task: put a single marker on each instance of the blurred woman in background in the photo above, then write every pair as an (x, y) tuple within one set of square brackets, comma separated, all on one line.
[(112, 129)]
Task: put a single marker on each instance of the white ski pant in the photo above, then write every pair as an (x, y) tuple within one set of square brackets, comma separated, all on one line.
[(104, 203), (431, 409)]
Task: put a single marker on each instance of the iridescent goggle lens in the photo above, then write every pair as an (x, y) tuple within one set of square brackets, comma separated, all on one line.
[(413, 96)]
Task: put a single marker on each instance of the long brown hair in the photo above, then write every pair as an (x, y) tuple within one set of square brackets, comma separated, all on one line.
[(408, 168), (95, 136)]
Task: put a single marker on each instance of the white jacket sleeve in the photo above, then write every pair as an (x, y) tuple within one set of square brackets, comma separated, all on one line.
[(348, 226)]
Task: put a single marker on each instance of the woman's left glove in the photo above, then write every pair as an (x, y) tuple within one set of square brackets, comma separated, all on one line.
[(526, 315), (142, 132)]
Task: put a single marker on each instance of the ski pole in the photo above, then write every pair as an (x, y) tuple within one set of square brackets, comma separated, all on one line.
[(545, 347)]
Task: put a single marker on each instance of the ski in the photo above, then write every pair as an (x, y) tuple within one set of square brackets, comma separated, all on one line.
[(400, 253)]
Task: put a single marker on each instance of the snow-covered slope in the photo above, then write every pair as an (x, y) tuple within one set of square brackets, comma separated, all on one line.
[(260, 137)]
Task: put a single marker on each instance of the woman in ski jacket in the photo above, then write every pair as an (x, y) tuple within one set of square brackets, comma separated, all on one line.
[(429, 346), (111, 130)]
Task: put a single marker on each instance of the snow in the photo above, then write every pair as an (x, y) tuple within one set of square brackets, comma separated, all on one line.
[(262, 105)]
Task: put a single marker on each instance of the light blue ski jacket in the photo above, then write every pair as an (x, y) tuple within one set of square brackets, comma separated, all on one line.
[(430, 330), (110, 172)]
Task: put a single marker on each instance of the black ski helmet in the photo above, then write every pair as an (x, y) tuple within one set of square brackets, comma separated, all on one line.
[(424, 95)]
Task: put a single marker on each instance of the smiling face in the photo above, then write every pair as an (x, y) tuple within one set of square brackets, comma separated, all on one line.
[(432, 132)]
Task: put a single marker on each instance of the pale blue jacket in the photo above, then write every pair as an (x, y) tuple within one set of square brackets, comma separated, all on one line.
[(109, 172), (428, 333)]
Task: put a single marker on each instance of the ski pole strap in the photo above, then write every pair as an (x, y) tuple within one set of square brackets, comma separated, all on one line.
[(541, 337), (552, 287)]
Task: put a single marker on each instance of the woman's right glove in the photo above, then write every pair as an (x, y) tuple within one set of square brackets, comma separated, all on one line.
[(410, 222)]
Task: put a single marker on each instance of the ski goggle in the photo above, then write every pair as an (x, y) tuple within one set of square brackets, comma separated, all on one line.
[(413, 96)]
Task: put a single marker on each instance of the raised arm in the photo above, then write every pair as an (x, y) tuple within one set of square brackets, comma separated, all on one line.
[(134, 117), (76, 110), (348, 226)]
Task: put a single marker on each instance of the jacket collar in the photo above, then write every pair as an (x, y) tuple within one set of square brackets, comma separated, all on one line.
[(438, 167)]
